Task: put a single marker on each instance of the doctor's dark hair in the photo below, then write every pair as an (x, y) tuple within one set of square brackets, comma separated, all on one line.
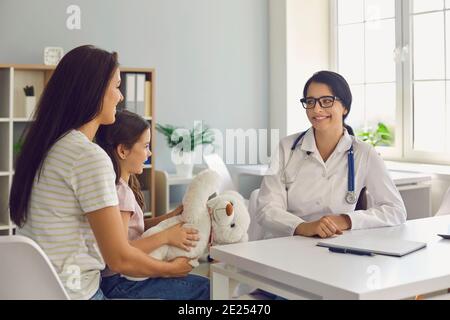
[(126, 130), (338, 86), (72, 97)]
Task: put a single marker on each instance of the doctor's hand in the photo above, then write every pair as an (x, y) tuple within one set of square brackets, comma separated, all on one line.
[(324, 228), (342, 221)]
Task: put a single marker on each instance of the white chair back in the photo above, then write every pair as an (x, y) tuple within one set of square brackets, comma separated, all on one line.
[(255, 231), (215, 162), (445, 204), (26, 273)]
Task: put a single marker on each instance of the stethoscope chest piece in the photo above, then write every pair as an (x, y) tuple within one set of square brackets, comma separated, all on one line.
[(351, 197)]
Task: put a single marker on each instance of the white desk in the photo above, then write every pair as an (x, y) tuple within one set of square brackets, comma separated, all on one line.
[(295, 268), (415, 188)]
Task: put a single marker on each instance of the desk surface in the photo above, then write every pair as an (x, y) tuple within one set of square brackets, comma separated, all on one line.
[(298, 262), (399, 177)]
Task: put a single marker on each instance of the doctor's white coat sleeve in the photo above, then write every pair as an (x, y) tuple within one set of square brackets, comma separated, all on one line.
[(271, 213), (388, 208)]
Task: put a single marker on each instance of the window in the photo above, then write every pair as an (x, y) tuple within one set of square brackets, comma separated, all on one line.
[(394, 55)]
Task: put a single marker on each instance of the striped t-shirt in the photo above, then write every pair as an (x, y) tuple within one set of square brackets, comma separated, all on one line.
[(77, 177)]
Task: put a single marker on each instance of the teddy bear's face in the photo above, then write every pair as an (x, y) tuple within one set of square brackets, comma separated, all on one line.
[(222, 212), (226, 218)]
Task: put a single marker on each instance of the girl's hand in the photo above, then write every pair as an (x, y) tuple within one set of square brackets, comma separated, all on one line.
[(179, 267), (325, 227), (178, 210), (182, 237)]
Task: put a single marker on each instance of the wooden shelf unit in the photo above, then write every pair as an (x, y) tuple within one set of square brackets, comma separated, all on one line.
[(13, 120)]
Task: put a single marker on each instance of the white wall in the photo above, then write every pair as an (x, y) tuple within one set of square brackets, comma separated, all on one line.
[(210, 56), (299, 46)]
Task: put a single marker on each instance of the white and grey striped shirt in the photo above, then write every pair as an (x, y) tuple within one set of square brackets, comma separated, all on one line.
[(77, 177)]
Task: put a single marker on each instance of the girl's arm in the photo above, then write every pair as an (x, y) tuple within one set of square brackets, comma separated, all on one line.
[(151, 222), (177, 235), (126, 215), (183, 238), (121, 257)]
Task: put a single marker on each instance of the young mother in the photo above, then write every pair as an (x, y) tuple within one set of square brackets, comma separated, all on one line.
[(63, 194)]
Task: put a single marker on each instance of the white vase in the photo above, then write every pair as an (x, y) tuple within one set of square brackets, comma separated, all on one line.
[(184, 164), (30, 104), (184, 170)]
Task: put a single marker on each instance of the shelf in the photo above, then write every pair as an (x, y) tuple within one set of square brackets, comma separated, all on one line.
[(4, 153), (148, 214), (28, 67), (22, 78), (14, 121), (4, 201), (137, 70), (5, 92), (18, 129), (176, 180), (22, 120)]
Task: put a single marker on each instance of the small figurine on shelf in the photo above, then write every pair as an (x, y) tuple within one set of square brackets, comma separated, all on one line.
[(30, 101)]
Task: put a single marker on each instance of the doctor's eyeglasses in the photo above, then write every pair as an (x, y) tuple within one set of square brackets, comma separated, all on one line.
[(324, 102)]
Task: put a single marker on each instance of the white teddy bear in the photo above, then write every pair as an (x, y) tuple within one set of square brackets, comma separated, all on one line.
[(219, 219)]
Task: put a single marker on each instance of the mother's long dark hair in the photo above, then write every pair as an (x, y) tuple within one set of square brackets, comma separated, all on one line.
[(72, 98)]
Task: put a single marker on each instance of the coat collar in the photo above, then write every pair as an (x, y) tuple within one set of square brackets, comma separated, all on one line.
[(309, 142)]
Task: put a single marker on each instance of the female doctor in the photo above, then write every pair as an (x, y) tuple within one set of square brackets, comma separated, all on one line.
[(312, 189)]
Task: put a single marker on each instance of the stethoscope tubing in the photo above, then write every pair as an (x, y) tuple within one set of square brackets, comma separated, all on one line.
[(350, 195)]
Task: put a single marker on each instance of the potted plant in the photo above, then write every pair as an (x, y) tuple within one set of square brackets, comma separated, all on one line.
[(381, 136), (183, 143)]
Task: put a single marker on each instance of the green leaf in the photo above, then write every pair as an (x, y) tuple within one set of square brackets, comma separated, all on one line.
[(200, 134)]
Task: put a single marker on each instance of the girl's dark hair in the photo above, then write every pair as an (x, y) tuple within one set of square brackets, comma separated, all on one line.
[(126, 130), (340, 88), (72, 98)]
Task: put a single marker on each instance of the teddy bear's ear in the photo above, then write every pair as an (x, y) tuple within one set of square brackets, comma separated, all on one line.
[(212, 202), (212, 196)]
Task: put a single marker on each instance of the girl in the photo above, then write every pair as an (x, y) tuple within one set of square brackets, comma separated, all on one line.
[(127, 143), (63, 193), (322, 171)]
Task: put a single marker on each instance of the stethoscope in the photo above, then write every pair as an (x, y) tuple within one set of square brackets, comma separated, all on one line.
[(350, 196)]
